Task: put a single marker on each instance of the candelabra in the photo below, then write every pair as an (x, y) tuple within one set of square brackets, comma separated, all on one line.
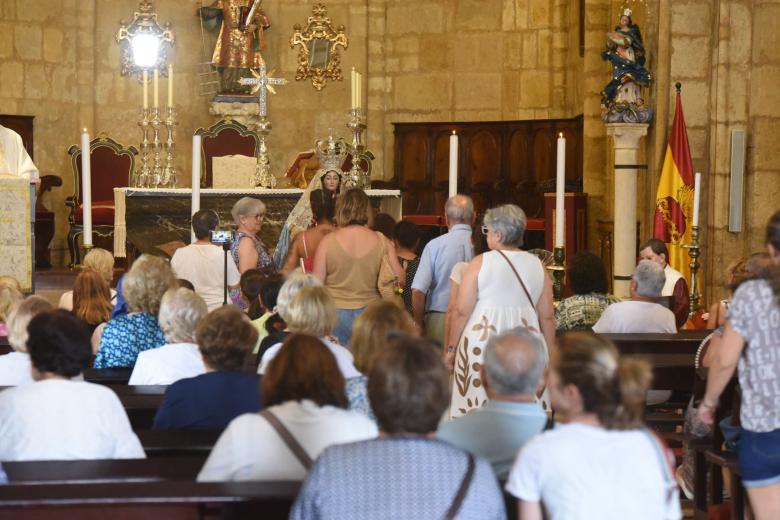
[(156, 146), (263, 177), (693, 252), (169, 177), (142, 175), (558, 271), (357, 177)]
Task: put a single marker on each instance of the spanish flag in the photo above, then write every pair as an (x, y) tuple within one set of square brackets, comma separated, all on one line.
[(674, 198)]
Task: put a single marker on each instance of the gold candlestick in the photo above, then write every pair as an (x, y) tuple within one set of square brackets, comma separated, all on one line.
[(169, 177), (558, 270), (142, 175), (157, 170), (693, 251), (357, 177)]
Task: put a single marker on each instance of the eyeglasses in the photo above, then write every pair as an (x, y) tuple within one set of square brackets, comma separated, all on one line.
[(259, 216), (485, 230)]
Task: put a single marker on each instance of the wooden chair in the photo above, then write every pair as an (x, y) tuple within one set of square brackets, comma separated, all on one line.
[(225, 137), (44, 222), (112, 166)]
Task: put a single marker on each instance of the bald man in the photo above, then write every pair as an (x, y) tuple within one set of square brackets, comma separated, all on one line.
[(431, 285), (511, 374)]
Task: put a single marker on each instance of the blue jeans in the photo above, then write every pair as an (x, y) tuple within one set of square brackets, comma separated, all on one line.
[(343, 330), (759, 458)]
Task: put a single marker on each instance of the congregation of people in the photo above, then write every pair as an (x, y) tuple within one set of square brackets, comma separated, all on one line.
[(394, 381)]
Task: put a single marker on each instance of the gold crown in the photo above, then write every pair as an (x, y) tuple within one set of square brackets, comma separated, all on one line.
[(332, 153)]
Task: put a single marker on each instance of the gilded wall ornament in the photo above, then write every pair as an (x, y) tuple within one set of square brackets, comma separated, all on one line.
[(318, 48)]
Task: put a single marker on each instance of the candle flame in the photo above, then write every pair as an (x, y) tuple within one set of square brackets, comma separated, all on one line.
[(454, 132), (84, 130), (560, 135)]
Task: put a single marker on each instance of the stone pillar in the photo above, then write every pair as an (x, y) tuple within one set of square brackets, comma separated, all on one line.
[(625, 145)]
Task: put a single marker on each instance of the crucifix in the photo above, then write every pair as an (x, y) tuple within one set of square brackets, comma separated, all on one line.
[(262, 83)]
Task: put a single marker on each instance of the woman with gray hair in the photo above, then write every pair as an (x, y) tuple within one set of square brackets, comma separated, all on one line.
[(15, 367), (121, 339), (180, 312), (501, 289), (248, 251)]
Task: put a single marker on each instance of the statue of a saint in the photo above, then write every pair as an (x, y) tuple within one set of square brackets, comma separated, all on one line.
[(241, 38), (622, 97)]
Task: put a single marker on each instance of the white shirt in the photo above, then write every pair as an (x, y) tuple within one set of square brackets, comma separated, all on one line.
[(204, 266), (167, 364), (250, 448), (14, 159), (55, 419), (343, 358), (582, 472), (15, 369), (66, 300), (635, 317)]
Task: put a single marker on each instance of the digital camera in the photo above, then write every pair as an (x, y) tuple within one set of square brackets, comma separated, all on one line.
[(221, 236)]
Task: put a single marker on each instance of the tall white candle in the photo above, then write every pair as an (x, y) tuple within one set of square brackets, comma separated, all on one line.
[(145, 81), (86, 188), (453, 178), (156, 88), (170, 86), (560, 216), (696, 198), (359, 93), (353, 87), (196, 141)]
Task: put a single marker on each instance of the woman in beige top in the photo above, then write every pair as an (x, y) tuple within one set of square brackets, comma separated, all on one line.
[(348, 260)]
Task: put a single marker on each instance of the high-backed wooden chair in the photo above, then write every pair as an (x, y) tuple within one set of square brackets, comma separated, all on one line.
[(112, 165), (225, 137)]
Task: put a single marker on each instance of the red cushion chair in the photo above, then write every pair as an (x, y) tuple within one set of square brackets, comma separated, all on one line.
[(112, 166), (225, 137)]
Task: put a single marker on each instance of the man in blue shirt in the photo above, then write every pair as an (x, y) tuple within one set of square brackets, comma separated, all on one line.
[(514, 362), (431, 286)]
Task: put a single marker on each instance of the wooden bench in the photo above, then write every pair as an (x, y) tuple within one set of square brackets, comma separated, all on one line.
[(108, 376), (172, 500), (177, 443), (103, 471)]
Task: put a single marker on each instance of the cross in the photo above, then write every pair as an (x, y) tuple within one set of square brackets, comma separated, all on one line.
[(262, 82)]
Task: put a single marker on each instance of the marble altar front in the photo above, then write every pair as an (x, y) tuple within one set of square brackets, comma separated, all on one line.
[(148, 218)]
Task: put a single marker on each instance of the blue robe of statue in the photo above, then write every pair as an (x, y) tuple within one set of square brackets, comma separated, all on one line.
[(622, 65)]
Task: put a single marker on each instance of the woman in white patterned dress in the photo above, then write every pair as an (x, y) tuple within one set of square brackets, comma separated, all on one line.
[(493, 299)]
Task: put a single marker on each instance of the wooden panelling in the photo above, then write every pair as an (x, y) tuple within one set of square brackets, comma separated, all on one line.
[(498, 162)]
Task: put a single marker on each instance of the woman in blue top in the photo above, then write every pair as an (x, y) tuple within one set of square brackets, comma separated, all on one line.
[(210, 401), (123, 338)]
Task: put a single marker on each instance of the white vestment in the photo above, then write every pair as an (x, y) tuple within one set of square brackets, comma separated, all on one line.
[(14, 159)]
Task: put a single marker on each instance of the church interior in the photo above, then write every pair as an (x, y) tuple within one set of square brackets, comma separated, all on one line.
[(607, 122)]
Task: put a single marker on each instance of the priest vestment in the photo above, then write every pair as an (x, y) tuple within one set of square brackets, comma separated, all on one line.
[(14, 159)]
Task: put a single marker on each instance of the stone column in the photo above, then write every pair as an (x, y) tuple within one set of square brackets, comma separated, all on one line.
[(625, 145)]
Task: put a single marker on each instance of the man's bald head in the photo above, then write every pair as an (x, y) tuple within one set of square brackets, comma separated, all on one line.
[(514, 362), (459, 210)]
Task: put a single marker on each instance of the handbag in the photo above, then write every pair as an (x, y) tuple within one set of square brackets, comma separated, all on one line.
[(387, 281)]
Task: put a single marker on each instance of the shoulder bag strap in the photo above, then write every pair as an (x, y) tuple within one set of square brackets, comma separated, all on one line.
[(288, 439), (517, 275), (457, 502)]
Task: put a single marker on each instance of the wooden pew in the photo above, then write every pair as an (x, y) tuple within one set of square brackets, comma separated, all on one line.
[(103, 471), (173, 443), (172, 500), (108, 376)]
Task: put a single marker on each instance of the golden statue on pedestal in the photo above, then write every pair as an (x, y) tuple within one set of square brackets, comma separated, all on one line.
[(241, 38)]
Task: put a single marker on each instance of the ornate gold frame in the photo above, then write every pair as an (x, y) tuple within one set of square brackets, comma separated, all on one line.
[(319, 27)]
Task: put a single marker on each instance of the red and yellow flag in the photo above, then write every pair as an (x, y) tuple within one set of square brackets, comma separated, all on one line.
[(674, 198)]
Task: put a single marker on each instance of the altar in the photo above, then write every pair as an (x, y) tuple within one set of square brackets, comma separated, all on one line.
[(148, 218)]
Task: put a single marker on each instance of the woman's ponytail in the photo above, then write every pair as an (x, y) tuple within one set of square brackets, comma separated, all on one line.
[(633, 379)]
